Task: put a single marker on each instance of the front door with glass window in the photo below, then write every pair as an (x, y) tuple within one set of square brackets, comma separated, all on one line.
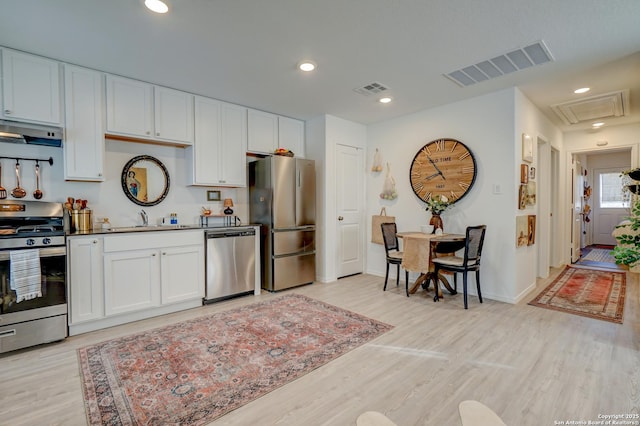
[(610, 207)]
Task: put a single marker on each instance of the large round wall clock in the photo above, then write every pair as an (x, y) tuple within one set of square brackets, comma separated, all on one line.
[(443, 167)]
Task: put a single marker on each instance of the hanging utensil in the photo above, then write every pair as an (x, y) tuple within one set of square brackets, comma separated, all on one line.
[(18, 191), (3, 192), (37, 194)]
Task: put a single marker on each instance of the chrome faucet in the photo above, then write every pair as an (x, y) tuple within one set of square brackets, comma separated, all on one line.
[(145, 218)]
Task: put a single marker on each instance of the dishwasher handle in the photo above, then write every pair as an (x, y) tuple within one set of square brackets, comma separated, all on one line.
[(230, 234)]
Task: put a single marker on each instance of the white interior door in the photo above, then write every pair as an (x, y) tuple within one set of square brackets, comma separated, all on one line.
[(350, 210), (608, 210)]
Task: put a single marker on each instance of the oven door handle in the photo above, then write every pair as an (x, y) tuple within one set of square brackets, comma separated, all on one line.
[(44, 252)]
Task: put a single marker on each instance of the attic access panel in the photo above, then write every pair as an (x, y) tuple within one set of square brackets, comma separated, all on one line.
[(613, 104)]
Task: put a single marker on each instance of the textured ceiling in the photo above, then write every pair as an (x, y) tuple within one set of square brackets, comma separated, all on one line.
[(245, 51)]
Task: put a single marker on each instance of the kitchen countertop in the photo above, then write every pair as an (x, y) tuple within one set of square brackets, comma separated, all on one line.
[(152, 228)]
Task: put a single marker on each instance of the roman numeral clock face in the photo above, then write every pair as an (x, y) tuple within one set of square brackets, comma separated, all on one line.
[(443, 167)]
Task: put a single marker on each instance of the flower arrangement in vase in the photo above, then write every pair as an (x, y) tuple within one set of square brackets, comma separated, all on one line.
[(436, 205)]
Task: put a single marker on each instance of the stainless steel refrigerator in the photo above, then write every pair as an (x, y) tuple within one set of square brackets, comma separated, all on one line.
[(282, 198)]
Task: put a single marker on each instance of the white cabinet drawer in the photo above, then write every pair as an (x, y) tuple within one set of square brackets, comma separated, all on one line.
[(152, 240)]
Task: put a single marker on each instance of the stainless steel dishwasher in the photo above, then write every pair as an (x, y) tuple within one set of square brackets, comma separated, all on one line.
[(231, 262)]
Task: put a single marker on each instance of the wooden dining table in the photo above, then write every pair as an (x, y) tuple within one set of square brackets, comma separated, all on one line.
[(419, 250)]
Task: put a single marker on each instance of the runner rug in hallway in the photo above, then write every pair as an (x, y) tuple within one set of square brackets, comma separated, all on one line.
[(193, 372), (588, 292)]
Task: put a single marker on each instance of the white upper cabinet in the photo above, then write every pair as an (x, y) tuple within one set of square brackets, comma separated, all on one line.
[(30, 88), (268, 132), (129, 107), (291, 135), (262, 131), (84, 124), (142, 110), (218, 156), (173, 115)]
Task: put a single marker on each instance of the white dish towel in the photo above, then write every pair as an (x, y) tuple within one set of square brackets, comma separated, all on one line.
[(25, 274)]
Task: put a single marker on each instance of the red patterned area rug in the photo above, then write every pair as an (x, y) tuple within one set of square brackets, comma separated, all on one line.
[(588, 292), (193, 372)]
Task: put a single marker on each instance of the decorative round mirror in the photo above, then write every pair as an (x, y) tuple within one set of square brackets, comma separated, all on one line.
[(145, 180)]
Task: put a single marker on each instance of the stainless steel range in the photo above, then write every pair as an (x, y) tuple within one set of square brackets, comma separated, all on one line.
[(33, 301)]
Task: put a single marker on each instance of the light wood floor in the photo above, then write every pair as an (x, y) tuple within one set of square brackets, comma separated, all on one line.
[(532, 366)]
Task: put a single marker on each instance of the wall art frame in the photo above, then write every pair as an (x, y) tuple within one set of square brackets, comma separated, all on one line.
[(527, 148), (524, 173), (522, 231), (531, 229), (213, 196)]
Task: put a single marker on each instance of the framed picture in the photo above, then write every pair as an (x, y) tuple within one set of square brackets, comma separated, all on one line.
[(532, 173), (531, 193), (524, 173), (527, 148), (522, 197), (213, 196), (522, 231), (531, 230)]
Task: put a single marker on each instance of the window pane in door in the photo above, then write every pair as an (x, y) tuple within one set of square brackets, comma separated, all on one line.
[(611, 195)]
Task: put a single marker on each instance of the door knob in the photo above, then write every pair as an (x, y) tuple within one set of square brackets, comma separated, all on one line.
[(340, 218)]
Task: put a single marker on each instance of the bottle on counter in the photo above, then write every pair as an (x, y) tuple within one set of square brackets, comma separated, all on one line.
[(106, 225), (174, 218)]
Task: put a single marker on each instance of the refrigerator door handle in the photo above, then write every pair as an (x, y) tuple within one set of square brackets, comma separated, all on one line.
[(295, 228)]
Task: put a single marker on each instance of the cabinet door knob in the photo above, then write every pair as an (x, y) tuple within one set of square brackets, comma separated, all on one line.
[(99, 174), (153, 254), (95, 241), (7, 111), (158, 134), (340, 218), (164, 253), (148, 132)]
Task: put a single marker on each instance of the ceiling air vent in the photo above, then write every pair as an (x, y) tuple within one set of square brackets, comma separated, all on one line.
[(371, 89), (516, 60), (614, 104)]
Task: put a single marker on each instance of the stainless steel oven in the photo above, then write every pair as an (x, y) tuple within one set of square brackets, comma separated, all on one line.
[(33, 306)]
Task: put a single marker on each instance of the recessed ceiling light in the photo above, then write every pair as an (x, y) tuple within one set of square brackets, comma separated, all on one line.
[(598, 124), (157, 6), (582, 90), (307, 66), (384, 100)]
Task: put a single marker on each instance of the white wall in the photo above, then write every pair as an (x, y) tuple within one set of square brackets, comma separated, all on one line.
[(323, 134), (485, 125), (107, 199), (627, 136), (529, 120)]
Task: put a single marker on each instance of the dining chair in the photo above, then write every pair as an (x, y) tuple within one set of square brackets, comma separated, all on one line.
[(474, 239), (394, 255)]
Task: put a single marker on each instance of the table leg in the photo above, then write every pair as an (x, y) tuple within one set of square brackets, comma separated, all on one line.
[(419, 281), (446, 284), (425, 279)]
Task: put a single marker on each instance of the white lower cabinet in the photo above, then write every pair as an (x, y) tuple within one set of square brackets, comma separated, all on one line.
[(131, 276), (86, 295), (131, 280), (180, 269)]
